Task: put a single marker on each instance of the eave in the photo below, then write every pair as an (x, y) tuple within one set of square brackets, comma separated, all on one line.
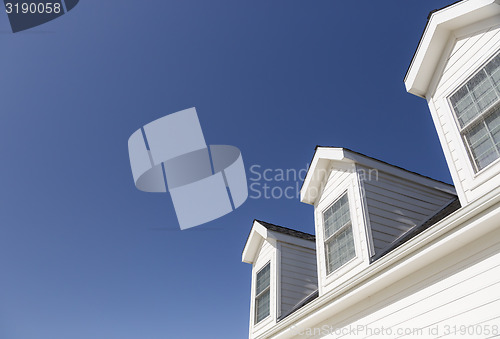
[(437, 33), (260, 233), (325, 157)]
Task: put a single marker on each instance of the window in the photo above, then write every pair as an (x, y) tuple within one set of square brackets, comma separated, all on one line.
[(262, 293), (477, 109), (339, 241)]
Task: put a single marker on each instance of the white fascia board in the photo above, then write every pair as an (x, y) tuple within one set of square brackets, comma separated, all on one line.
[(436, 35), (324, 157), (310, 190), (446, 236), (257, 234), (400, 172)]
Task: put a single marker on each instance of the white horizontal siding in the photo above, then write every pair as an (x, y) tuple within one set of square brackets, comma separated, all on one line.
[(264, 254), (461, 289), (337, 178), (465, 56), (299, 276), (468, 53), (395, 206)]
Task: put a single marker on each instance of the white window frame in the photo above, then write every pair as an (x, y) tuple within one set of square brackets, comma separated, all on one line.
[(336, 234), (480, 118), (257, 296)]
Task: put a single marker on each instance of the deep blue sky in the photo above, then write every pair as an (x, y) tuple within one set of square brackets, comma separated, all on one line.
[(83, 253)]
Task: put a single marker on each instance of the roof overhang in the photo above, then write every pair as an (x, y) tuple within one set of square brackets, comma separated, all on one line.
[(438, 30), (259, 234), (318, 170), (326, 157)]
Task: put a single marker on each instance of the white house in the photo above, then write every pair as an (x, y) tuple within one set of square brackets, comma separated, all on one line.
[(396, 254)]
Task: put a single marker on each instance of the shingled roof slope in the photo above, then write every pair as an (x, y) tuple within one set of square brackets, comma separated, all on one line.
[(443, 213), (287, 231)]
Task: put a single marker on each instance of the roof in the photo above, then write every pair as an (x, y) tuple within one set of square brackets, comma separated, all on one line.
[(262, 230), (422, 35), (383, 162), (324, 155), (286, 230), (438, 30)]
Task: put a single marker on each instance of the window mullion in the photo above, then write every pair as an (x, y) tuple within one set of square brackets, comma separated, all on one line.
[(261, 293), (466, 142), (479, 116), (490, 136)]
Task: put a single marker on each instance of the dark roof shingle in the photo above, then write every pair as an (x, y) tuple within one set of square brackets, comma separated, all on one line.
[(286, 230)]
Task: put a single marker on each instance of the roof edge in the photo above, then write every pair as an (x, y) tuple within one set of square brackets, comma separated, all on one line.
[(440, 25), (324, 154)]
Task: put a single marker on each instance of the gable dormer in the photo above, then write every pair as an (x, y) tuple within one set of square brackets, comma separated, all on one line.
[(457, 69), (284, 273), (364, 208)]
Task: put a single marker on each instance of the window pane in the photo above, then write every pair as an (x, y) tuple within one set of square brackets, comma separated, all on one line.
[(476, 85), (262, 306), (493, 122), (478, 101), (340, 249), (336, 216), (493, 70), (487, 97), (263, 279), (464, 106), (484, 140)]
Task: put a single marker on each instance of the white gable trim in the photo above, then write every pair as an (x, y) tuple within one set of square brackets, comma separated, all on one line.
[(326, 156), (436, 36), (260, 233)]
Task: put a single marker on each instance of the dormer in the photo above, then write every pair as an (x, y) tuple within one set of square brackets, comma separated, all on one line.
[(364, 208), (284, 274), (456, 68)]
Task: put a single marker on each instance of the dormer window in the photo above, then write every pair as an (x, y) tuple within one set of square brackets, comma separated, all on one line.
[(477, 110), (339, 241), (262, 293)]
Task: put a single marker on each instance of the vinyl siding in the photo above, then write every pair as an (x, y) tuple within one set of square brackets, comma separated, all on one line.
[(264, 254), (395, 206), (299, 276), (461, 289), (467, 54), (337, 178)]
